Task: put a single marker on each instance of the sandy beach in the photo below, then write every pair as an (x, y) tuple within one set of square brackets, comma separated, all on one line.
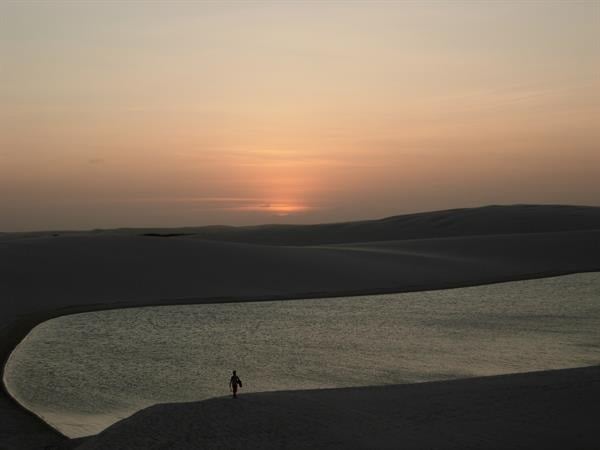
[(45, 275), (551, 410)]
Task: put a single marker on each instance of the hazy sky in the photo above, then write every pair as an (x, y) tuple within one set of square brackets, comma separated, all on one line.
[(169, 114)]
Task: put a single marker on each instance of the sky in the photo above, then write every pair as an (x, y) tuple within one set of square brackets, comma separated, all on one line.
[(165, 114)]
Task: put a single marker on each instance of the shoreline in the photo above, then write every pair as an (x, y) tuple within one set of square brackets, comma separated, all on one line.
[(551, 409), (13, 334)]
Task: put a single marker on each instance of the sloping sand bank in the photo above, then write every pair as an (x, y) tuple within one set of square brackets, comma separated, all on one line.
[(43, 274), (549, 410)]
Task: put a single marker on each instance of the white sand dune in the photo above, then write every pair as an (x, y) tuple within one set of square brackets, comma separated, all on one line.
[(44, 275), (549, 410)]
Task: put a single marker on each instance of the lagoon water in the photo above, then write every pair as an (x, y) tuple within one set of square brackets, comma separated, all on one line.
[(83, 372)]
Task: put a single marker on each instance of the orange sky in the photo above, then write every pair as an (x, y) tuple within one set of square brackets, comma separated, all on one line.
[(192, 113)]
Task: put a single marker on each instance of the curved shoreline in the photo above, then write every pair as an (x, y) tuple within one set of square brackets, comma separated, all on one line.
[(18, 330)]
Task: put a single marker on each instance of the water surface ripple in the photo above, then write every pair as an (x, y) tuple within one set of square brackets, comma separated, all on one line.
[(83, 372)]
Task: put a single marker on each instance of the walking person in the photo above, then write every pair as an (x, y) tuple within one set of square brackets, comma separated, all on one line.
[(234, 382)]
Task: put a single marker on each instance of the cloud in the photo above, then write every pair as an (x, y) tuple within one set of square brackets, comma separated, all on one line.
[(269, 157), (248, 204)]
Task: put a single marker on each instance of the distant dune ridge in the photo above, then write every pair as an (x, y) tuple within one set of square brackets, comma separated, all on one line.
[(494, 219), (45, 274), (449, 223)]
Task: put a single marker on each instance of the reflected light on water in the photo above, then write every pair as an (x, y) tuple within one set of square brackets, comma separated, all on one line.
[(86, 371)]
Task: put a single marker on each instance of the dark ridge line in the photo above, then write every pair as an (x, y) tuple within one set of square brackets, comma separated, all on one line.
[(406, 216)]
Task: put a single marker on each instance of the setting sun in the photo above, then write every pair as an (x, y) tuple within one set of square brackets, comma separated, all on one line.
[(325, 111)]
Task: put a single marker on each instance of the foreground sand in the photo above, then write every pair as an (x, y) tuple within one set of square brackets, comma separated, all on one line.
[(44, 275), (545, 410)]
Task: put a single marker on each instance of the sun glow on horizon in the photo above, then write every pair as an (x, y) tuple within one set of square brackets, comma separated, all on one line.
[(279, 208)]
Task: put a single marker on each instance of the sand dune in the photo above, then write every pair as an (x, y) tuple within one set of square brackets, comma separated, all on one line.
[(44, 275), (550, 410), (487, 220), (450, 223)]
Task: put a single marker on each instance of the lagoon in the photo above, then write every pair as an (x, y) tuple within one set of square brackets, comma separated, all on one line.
[(83, 372)]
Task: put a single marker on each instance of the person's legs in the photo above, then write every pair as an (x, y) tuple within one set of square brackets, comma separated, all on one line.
[(235, 391)]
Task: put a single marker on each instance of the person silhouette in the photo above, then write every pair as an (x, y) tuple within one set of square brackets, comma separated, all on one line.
[(234, 382)]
